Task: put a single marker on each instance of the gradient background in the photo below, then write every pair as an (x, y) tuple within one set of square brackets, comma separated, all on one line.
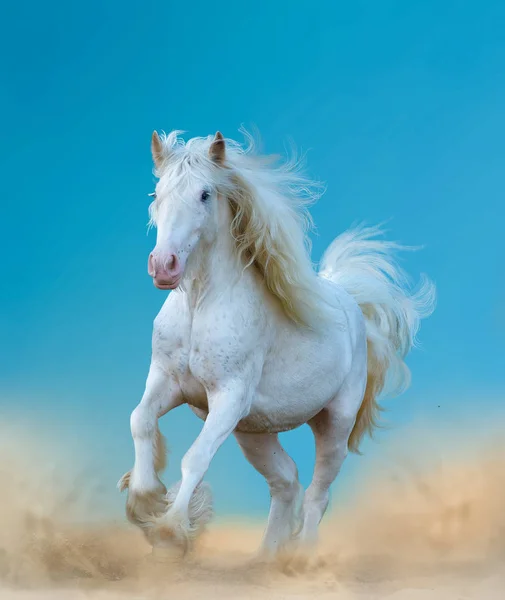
[(401, 107)]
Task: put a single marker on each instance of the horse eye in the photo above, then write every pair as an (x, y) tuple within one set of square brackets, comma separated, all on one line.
[(152, 195), (205, 196)]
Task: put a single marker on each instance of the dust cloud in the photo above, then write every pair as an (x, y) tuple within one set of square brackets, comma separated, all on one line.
[(416, 529)]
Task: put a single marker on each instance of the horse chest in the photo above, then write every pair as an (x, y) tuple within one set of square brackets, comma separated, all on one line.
[(182, 361)]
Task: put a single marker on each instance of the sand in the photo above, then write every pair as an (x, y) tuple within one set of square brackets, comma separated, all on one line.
[(415, 533)]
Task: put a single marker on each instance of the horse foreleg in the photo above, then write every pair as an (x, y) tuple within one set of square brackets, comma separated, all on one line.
[(146, 493), (190, 508)]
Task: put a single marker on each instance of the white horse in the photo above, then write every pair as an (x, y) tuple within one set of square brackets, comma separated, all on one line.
[(255, 341)]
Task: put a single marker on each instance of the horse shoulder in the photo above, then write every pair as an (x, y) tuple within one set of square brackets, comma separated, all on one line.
[(229, 341), (171, 332)]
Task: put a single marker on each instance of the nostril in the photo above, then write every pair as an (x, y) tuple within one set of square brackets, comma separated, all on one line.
[(172, 263), (151, 269)]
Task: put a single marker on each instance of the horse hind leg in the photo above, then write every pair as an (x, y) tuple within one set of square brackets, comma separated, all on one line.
[(331, 428), (269, 458)]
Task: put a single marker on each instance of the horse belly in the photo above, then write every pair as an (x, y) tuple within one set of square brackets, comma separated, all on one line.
[(275, 421), (298, 381), (194, 393), (267, 415), (284, 408)]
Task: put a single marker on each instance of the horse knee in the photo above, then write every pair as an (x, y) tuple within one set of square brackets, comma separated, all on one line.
[(144, 426), (195, 461), (142, 422)]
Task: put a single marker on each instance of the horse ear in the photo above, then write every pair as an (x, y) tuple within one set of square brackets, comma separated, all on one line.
[(157, 149), (217, 150)]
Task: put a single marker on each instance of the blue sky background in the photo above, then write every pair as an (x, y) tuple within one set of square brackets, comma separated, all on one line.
[(401, 107)]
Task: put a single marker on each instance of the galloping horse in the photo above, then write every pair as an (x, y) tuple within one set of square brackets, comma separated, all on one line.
[(255, 341)]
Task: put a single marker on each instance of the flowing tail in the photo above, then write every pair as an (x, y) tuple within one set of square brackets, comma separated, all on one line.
[(365, 267)]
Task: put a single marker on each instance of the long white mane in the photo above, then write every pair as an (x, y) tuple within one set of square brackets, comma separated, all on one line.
[(269, 202)]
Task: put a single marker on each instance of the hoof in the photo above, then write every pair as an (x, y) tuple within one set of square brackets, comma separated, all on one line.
[(169, 535), (172, 529), (144, 508), (200, 509)]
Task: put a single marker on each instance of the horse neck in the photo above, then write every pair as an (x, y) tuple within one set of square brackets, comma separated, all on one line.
[(216, 266)]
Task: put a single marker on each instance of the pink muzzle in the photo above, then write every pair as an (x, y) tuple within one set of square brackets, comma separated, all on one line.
[(166, 271)]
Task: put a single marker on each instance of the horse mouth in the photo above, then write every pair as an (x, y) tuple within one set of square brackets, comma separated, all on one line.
[(167, 285)]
